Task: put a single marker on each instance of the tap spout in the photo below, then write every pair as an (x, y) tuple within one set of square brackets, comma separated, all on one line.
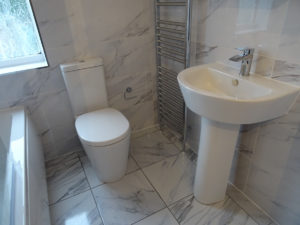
[(246, 58), (237, 58)]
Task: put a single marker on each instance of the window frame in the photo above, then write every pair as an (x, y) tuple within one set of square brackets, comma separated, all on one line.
[(27, 62)]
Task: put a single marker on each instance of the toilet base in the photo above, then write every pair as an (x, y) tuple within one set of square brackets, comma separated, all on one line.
[(109, 162)]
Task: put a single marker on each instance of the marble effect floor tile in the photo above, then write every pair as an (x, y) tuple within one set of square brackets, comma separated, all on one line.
[(91, 175), (173, 136), (89, 172), (61, 162), (65, 178), (163, 217), (256, 213), (132, 166), (128, 200), (152, 148), (190, 212), (80, 209), (173, 177)]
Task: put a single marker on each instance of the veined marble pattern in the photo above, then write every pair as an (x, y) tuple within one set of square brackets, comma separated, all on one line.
[(163, 217), (174, 137), (72, 31), (128, 200), (152, 148), (259, 217), (173, 177), (190, 212), (265, 168), (139, 198), (288, 72), (65, 177), (80, 209)]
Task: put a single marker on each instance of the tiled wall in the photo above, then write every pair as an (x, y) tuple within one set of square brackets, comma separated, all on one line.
[(122, 32), (267, 161)]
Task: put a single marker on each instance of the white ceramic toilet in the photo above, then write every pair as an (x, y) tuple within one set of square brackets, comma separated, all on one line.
[(104, 132)]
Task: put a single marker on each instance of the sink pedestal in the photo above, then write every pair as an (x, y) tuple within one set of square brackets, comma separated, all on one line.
[(215, 154), (217, 92)]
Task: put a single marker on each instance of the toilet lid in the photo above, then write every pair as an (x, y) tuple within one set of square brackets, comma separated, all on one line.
[(102, 127)]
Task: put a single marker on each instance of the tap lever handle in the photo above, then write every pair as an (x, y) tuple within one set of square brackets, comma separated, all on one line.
[(246, 50)]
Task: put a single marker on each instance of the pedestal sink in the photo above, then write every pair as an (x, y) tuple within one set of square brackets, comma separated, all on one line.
[(224, 100)]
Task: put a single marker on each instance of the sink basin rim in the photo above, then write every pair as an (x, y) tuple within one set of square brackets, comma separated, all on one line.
[(271, 95), (238, 111)]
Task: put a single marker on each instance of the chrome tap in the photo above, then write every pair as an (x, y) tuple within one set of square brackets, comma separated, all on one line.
[(246, 58)]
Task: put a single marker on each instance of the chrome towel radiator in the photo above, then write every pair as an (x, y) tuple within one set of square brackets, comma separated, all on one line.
[(172, 27)]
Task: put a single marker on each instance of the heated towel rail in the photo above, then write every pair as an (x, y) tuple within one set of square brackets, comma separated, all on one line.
[(172, 55)]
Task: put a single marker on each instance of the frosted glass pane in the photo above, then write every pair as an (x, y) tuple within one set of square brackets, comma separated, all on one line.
[(18, 36)]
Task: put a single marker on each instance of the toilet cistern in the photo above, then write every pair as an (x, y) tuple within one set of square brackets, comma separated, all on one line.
[(246, 57), (104, 132)]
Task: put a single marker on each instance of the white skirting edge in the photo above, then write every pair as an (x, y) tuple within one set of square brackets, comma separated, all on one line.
[(254, 204)]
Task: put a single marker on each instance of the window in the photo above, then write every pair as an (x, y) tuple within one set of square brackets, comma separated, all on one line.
[(20, 44)]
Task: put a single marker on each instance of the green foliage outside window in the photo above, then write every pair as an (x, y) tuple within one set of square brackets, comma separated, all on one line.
[(18, 37)]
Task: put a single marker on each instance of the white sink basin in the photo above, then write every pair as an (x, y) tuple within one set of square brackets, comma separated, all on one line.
[(210, 91), (224, 100)]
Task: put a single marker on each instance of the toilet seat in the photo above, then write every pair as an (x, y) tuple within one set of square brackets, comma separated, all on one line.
[(102, 127)]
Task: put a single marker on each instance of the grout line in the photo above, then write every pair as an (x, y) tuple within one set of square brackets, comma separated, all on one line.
[(153, 187), (171, 142), (99, 185), (165, 157), (139, 168), (135, 161), (97, 207), (257, 207), (241, 208), (149, 215), (81, 163), (173, 215), (167, 206), (89, 188), (61, 200)]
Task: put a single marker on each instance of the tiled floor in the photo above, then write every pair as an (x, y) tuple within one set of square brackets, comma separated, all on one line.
[(157, 190)]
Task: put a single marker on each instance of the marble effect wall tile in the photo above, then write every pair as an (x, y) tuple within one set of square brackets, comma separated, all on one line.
[(256, 213), (289, 45), (240, 169), (71, 31), (288, 72), (247, 138), (262, 167), (271, 180)]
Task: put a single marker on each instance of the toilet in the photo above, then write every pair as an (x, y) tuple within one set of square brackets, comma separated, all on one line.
[(104, 132)]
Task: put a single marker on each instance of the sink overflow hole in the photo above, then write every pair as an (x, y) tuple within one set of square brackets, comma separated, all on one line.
[(235, 82)]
